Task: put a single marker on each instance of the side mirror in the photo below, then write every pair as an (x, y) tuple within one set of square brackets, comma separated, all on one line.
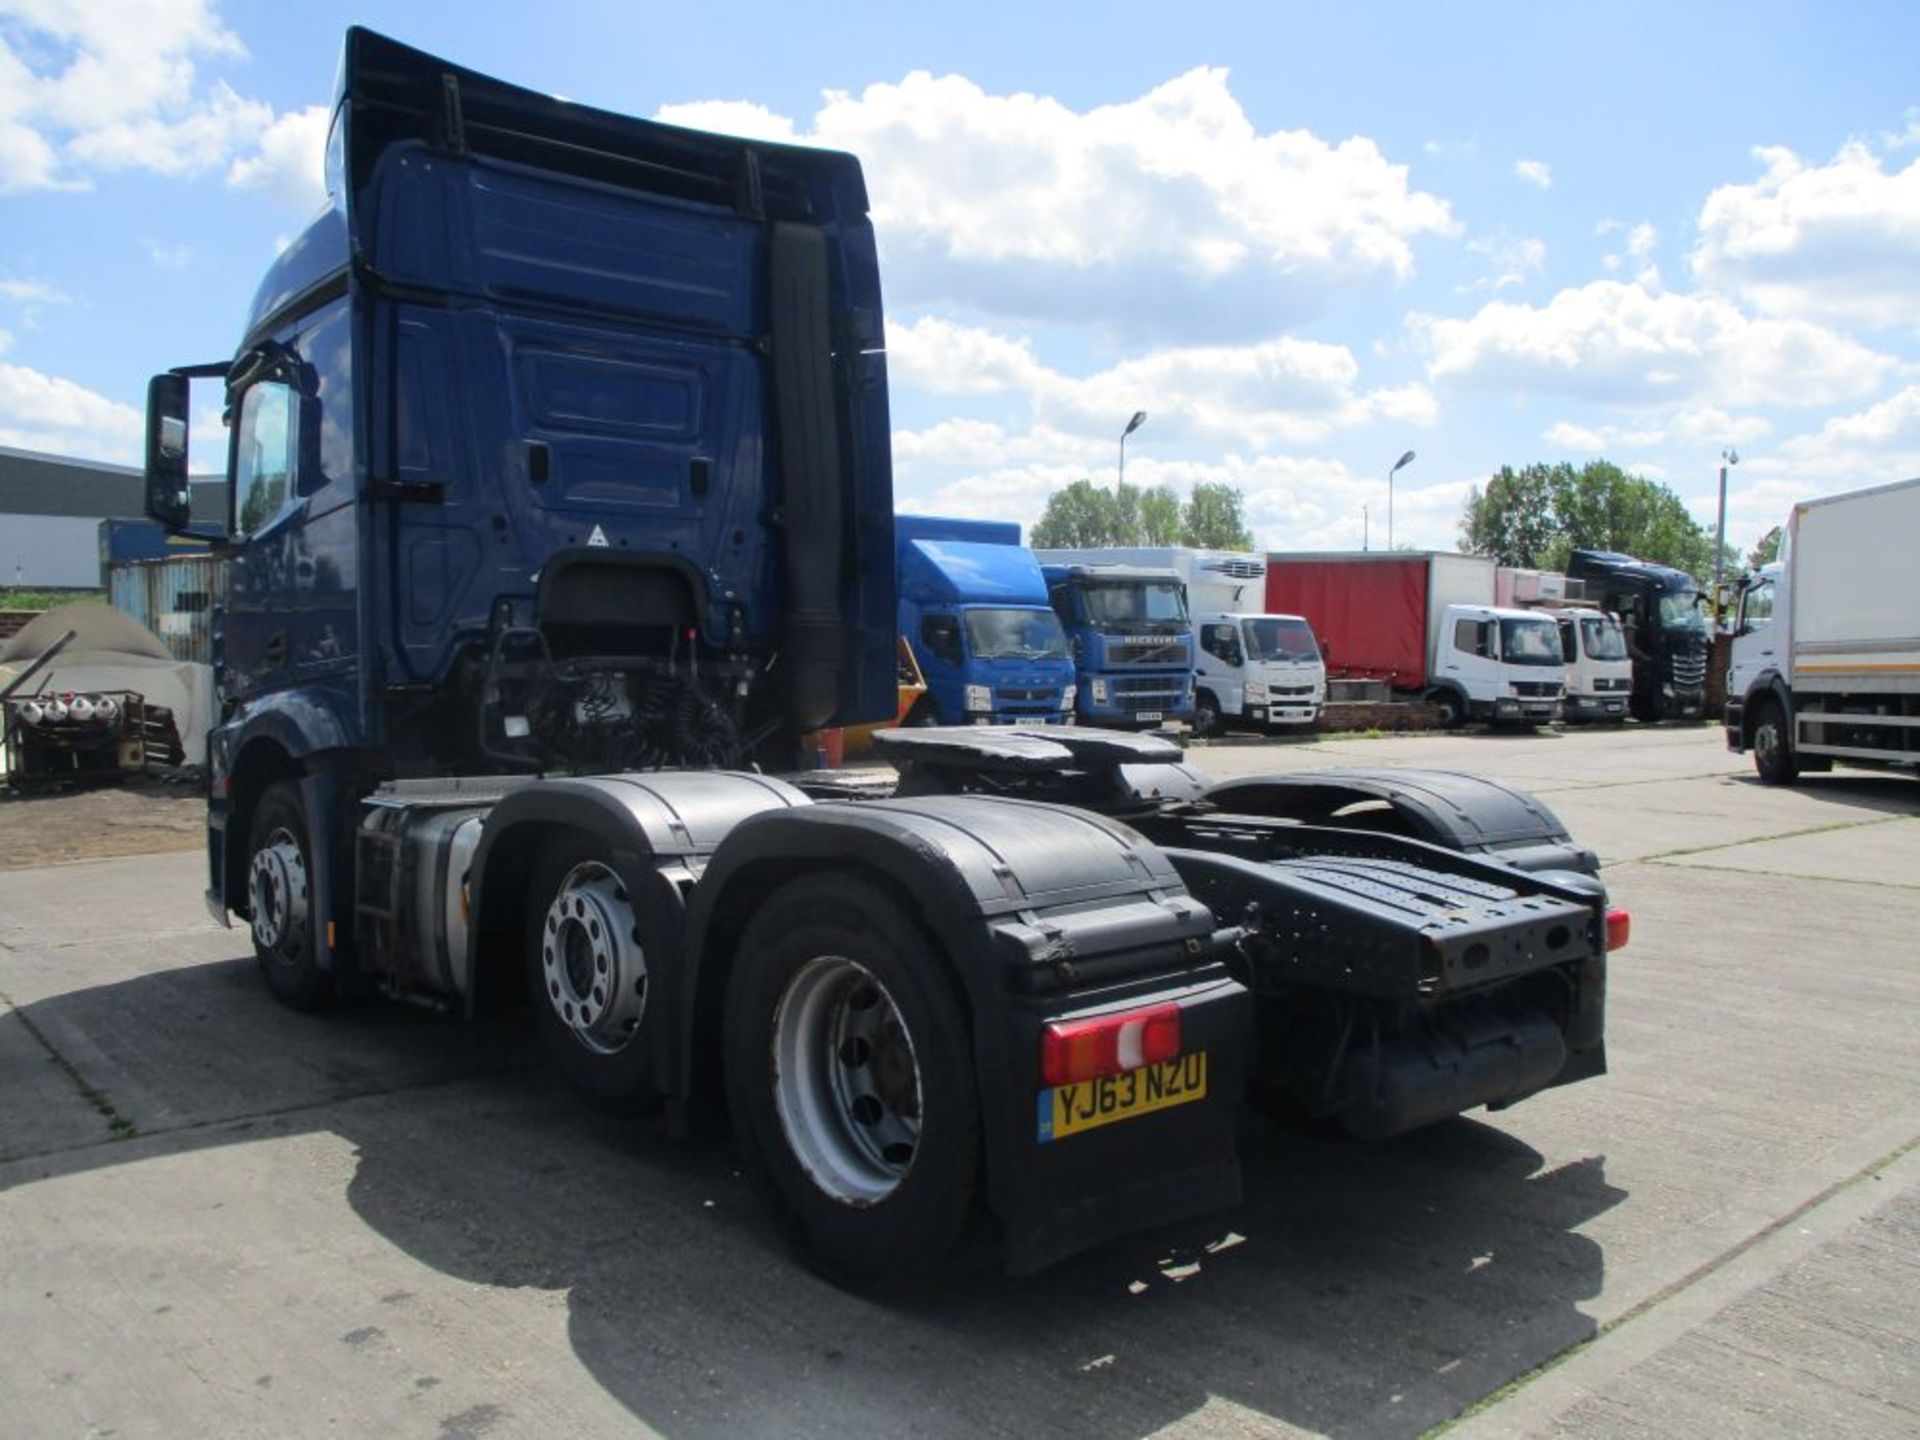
[(168, 498)]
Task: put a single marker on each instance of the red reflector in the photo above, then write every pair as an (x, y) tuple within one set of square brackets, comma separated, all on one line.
[(1619, 927), (1076, 1050)]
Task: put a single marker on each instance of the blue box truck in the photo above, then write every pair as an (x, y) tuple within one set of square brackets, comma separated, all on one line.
[(974, 608)]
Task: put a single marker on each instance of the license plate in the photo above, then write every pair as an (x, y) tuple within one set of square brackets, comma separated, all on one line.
[(1614, 707), (1148, 717), (1259, 712), (1072, 1109)]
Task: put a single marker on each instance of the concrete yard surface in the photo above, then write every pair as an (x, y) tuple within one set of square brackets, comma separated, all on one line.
[(223, 1218)]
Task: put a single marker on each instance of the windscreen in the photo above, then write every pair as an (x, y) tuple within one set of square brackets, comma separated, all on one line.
[(1015, 635), (1530, 642), (1601, 638), (1270, 638), (1135, 602), (1681, 610)]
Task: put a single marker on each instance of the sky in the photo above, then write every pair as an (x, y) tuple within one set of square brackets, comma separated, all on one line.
[(1305, 239)]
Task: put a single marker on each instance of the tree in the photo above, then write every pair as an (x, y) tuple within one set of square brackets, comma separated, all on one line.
[(1767, 551), (1212, 519), (1536, 517), (1088, 517)]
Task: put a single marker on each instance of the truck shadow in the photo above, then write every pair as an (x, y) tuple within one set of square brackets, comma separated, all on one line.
[(1359, 1290), (1872, 790)]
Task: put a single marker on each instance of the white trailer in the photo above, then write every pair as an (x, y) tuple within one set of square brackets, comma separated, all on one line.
[(1826, 650), (1252, 668)]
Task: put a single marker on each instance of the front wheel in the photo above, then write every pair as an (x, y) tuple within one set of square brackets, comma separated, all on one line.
[(1452, 711), (1773, 758), (280, 899), (850, 1082), (587, 977), (1206, 715)]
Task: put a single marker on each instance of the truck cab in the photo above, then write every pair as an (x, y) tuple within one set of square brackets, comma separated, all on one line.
[(1131, 641), (974, 608), (1498, 665), (1257, 670), (1663, 618), (1599, 673)]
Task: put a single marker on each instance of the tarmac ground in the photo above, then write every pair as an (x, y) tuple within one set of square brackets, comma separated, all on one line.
[(222, 1218)]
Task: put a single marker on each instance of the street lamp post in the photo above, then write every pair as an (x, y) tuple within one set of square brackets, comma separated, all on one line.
[(1139, 419), (1398, 465), (1728, 458), (1363, 526)]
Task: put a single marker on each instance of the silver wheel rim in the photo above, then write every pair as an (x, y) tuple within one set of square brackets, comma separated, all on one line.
[(846, 1081), (1766, 743), (591, 964), (277, 891)]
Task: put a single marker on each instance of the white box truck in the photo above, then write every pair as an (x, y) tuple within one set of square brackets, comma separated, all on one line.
[(1426, 623), (1826, 648), (1253, 669), (1599, 670)]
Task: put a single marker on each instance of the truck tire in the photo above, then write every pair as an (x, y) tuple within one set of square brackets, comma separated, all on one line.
[(850, 1083), (587, 977), (1452, 710), (279, 899), (1773, 757), (1206, 715), (923, 715)]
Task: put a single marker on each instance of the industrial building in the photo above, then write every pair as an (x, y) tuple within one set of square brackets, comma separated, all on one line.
[(51, 509)]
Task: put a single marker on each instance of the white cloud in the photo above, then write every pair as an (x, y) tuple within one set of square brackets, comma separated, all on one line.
[(170, 256), (289, 163), (1695, 427), (115, 85), (30, 292), (44, 412), (1534, 172), (1641, 239), (1515, 260), (1834, 242), (1019, 205), (1274, 392), (1629, 345)]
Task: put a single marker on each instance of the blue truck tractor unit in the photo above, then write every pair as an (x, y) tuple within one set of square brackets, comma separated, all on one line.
[(975, 611), (1131, 637), (561, 509)]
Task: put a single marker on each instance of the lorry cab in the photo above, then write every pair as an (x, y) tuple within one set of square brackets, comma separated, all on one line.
[(1599, 673), (1757, 655), (974, 608), (1129, 632), (1497, 664), (1663, 618), (1263, 669)]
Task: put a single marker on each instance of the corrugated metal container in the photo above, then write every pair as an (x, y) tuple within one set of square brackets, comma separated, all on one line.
[(124, 540), (174, 598)]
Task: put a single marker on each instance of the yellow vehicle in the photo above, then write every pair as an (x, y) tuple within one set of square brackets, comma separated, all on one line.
[(858, 739)]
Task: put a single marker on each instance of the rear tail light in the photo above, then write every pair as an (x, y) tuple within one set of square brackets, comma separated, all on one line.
[(1619, 928), (1072, 1051)]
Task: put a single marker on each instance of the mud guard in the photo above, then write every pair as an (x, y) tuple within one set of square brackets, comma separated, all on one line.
[(1443, 807), (1042, 911)]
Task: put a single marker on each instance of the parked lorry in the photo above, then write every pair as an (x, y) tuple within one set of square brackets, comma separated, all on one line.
[(521, 613), (1129, 631), (1599, 674), (1826, 642), (1664, 619), (974, 608), (1426, 623), (1252, 670)]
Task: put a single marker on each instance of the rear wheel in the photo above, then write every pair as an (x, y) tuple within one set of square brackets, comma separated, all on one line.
[(1773, 758), (850, 1081), (280, 899), (587, 976)]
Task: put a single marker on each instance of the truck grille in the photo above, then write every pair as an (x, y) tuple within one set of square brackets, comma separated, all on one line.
[(1689, 671), (1546, 689), (1021, 697), (1601, 686), (1147, 652), (1157, 686), (1290, 691)]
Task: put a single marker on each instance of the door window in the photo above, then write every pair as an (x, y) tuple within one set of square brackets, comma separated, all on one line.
[(265, 451), (941, 635), (1756, 606), (1474, 637)]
